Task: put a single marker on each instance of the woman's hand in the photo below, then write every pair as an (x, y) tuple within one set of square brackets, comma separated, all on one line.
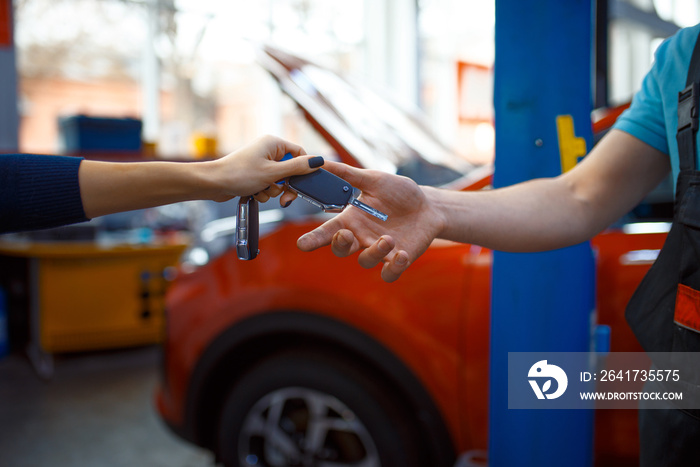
[(254, 169)]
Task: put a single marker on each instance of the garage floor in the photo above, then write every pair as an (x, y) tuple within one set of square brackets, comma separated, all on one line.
[(96, 411)]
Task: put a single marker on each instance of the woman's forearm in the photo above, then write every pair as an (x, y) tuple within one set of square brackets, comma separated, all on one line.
[(109, 187)]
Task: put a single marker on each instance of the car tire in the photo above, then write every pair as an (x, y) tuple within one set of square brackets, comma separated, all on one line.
[(305, 408)]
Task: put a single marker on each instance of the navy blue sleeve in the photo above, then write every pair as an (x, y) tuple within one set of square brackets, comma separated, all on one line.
[(38, 192)]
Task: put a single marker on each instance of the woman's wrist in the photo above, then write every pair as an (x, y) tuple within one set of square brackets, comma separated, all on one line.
[(207, 181)]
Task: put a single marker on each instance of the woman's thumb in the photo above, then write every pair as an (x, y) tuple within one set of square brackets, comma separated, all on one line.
[(299, 165)]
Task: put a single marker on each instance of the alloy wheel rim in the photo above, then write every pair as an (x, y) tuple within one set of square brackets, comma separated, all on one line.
[(304, 427)]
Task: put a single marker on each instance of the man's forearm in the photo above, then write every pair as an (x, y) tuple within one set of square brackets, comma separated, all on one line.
[(532, 216), (552, 213)]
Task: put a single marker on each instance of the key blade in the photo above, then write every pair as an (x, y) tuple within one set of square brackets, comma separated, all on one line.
[(368, 209)]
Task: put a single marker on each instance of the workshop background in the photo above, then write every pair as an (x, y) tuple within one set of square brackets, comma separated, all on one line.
[(83, 309)]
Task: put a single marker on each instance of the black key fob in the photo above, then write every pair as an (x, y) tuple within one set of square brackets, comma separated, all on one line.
[(323, 189), (247, 228)]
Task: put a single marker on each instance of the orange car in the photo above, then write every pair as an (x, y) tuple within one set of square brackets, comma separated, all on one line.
[(300, 359)]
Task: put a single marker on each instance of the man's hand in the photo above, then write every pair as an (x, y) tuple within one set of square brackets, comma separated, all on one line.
[(537, 215), (412, 225)]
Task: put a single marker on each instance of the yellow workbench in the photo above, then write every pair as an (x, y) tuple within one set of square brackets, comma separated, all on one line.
[(87, 296)]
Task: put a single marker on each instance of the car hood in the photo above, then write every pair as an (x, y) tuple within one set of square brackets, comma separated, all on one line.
[(366, 129)]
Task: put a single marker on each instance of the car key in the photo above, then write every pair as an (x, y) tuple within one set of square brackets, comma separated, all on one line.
[(329, 192), (247, 228)]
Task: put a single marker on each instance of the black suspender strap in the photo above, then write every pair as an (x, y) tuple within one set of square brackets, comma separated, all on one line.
[(694, 68), (687, 126), (688, 113)]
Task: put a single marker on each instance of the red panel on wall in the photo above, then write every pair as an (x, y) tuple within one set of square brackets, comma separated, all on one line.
[(5, 23)]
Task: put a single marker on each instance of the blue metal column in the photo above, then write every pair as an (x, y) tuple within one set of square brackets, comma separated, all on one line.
[(9, 118), (542, 301)]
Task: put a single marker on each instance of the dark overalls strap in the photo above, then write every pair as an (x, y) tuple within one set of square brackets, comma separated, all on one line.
[(663, 312), (688, 114), (694, 67)]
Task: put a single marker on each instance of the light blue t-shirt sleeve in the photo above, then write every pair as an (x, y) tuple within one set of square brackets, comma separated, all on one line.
[(653, 114), (645, 118)]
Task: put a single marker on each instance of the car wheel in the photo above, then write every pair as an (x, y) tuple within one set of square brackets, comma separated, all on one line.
[(305, 409)]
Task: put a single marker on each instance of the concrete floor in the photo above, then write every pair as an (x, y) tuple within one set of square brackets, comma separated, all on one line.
[(96, 411)]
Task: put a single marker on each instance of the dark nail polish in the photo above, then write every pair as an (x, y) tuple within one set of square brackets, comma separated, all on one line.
[(287, 204), (315, 162)]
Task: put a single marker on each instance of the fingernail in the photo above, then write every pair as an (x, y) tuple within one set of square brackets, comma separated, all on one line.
[(401, 259), (287, 204), (316, 162)]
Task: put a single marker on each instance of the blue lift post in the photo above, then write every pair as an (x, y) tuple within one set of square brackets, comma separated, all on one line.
[(9, 117), (541, 301)]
